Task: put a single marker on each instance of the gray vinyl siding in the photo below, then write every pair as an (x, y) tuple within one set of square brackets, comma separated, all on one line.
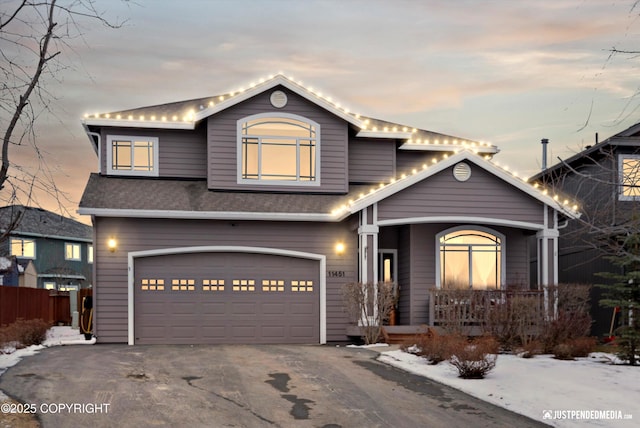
[(371, 161), (182, 154), (483, 195), (145, 234), (223, 144), (406, 160), (404, 276)]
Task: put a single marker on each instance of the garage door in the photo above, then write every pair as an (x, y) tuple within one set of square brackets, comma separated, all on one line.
[(212, 298)]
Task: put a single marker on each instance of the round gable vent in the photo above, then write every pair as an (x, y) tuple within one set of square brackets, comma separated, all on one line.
[(278, 99), (462, 171)]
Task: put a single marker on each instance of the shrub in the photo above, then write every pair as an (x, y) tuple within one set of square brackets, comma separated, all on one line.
[(578, 347), (435, 348), (530, 349), (475, 359), (24, 332), (573, 319), (515, 321), (369, 306)]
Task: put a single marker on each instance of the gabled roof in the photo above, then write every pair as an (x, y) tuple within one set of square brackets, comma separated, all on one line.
[(39, 222), (133, 197), (186, 115), (630, 137)]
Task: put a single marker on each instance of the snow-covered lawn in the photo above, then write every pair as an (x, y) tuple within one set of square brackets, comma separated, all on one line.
[(546, 389)]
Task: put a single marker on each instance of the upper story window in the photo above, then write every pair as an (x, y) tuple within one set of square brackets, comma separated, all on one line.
[(282, 149), (129, 155), (25, 248), (72, 252), (90, 253), (629, 171)]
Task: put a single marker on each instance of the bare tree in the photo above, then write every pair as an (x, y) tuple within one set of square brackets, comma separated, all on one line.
[(34, 38), (607, 220)]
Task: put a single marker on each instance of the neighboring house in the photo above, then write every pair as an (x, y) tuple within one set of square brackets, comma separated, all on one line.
[(605, 178), (9, 271), (238, 218), (60, 249)]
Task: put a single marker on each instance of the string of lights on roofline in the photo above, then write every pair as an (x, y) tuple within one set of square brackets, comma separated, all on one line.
[(190, 115), (455, 144), (564, 202)]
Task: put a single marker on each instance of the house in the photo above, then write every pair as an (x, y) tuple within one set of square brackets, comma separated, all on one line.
[(51, 251), (18, 273), (238, 218), (605, 177)]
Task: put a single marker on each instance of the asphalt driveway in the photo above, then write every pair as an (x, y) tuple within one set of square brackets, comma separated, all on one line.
[(237, 386)]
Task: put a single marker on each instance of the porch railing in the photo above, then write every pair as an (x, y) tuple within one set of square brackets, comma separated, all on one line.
[(448, 308)]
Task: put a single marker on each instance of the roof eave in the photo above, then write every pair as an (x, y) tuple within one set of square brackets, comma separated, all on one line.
[(207, 215)]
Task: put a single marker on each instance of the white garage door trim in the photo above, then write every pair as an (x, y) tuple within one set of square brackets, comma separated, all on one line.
[(229, 249)]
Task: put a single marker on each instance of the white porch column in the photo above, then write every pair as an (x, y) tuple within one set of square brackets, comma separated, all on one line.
[(368, 244), (547, 247)]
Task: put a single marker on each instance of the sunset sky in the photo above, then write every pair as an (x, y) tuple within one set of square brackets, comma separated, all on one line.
[(505, 72)]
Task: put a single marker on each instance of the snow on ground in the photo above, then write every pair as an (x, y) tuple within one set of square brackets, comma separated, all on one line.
[(544, 388), (56, 336)]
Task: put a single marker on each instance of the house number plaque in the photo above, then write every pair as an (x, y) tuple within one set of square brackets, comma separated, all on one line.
[(336, 274)]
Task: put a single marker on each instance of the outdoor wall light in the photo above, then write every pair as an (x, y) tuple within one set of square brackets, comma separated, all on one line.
[(112, 244), (339, 248)]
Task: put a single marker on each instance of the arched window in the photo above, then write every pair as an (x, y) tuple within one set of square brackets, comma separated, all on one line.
[(470, 258), (281, 148)]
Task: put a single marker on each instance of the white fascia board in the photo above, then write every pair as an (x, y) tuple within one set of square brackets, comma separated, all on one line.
[(462, 220), (272, 83), (382, 134), (125, 123), (206, 215), (445, 148)]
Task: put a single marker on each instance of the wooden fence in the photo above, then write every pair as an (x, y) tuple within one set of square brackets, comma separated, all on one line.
[(34, 303), (474, 307)]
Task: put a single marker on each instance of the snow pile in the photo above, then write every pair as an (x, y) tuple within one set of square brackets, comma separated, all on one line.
[(56, 336), (536, 386)]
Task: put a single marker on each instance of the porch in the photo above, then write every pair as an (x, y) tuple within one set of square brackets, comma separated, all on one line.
[(476, 312)]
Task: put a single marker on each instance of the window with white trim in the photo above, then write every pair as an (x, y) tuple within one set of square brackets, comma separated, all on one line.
[(629, 173), (72, 251), (130, 155), (470, 258), (280, 149), (24, 248), (90, 253)]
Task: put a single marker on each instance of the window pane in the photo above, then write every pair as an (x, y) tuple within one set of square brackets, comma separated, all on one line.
[(454, 269), (485, 270), (279, 127), (631, 177), (16, 247), (279, 159), (143, 156), (249, 158), (307, 162), (121, 155), (90, 253), (28, 248)]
